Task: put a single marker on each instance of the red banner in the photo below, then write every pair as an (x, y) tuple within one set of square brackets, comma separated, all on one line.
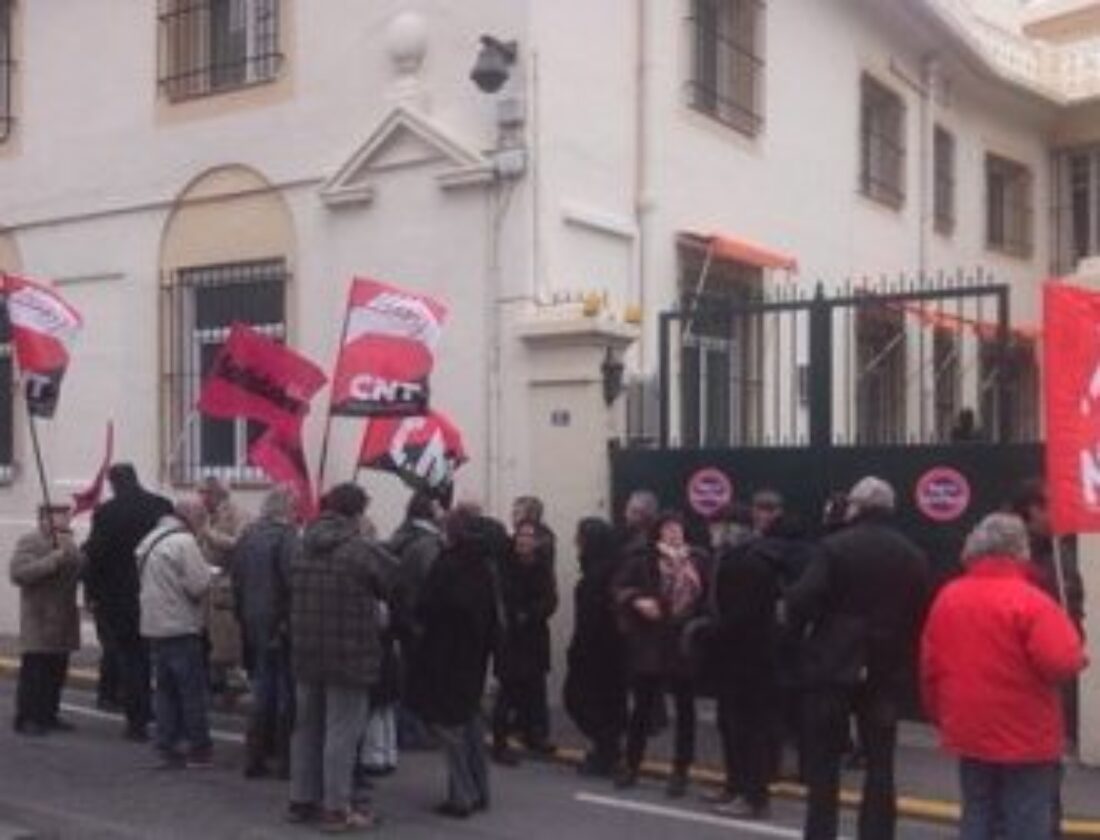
[(88, 499), (388, 351), (1071, 366), (424, 451), (283, 458), (254, 376)]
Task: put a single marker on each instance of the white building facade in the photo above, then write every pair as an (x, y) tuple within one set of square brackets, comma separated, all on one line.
[(219, 160)]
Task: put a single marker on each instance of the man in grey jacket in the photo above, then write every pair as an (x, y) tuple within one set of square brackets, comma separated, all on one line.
[(46, 568), (174, 581)]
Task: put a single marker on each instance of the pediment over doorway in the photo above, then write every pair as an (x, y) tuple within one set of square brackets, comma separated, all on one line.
[(406, 139)]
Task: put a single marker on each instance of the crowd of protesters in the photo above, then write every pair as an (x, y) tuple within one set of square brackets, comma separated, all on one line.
[(355, 647)]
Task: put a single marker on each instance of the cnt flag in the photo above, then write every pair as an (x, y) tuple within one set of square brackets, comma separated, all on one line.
[(424, 451), (388, 351), (43, 328), (1071, 364), (256, 377)]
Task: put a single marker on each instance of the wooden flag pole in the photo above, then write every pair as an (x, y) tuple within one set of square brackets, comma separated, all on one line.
[(328, 416), (1060, 572), (37, 447)]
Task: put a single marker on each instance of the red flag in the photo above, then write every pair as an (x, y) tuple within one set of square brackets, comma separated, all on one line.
[(283, 458), (425, 451), (254, 376), (1071, 363), (43, 327), (388, 351), (88, 498)]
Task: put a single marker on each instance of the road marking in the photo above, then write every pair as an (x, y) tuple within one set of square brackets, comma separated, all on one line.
[(97, 714), (760, 828)]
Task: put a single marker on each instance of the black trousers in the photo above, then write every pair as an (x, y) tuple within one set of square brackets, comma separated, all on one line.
[(109, 687), (747, 726), (134, 671), (521, 705), (648, 693), (825, 722), (38, 694)]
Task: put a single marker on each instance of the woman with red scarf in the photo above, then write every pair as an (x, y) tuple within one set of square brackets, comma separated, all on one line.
[(658, 591)]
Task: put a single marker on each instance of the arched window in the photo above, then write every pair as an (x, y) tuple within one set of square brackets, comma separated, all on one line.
[(226, 258)]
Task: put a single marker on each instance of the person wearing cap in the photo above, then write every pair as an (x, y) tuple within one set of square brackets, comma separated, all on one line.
[(46, 568), (859, 604), (994, 655)]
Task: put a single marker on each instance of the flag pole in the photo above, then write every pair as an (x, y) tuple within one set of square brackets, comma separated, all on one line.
[(37, 447), (328, 415), (1060, 572)]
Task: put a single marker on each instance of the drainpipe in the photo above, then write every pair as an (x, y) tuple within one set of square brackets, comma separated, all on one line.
[(642, 201)]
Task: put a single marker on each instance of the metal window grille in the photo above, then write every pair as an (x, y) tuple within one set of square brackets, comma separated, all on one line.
[(7, 67), (209, 46), (1008, 206), (882, 143), (203, 304), (727, 79), (943, 147)]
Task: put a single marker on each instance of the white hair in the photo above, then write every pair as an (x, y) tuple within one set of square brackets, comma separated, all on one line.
[(999, 534)]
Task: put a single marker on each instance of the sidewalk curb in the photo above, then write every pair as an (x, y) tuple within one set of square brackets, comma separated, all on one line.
[(910, 807)]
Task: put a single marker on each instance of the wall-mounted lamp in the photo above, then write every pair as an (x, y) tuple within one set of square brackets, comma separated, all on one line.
[(612, 371), (494, 63)]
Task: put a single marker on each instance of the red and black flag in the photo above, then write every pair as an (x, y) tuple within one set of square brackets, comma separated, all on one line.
[(283, 458), (254, 376), (387, 352), (424, 451), (43, 328)]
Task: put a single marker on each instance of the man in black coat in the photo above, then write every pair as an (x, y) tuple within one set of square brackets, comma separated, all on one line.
[(111, 586), (862, 602), (459, 613)]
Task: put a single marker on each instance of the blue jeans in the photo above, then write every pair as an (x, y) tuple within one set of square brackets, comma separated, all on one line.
[(273, 687), (180, 702), (1010, 801)]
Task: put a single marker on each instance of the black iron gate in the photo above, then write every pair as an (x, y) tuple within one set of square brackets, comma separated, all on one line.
[(926, 385)]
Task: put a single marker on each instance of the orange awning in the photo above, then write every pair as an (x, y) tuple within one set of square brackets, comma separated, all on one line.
[(985, 330), (739, 250)]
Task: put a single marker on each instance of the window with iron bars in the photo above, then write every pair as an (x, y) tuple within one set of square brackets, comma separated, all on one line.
[(7, 400), (210, 46), (1008, 206), (7, 68), (943, 164), (882, 143), (728, 66), (1077, 207), (204, 303)]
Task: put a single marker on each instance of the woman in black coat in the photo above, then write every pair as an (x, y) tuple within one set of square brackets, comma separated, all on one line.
[(595, 682), (457, 613), (658, 592), (529, 596)]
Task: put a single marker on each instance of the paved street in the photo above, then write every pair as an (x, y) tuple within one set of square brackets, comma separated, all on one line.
[(91, 784)]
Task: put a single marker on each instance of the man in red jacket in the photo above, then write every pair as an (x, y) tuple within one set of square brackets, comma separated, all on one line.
[(994, 653)]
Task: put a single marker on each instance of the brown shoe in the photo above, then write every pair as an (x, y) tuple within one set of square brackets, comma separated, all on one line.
[(344, 822)]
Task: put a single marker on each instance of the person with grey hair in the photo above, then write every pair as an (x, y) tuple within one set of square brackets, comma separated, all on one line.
[(175, 579), (859, 605), (995, 652), (260, 571)]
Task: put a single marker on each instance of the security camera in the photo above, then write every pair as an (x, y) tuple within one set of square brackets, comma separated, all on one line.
[(494, 62)]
